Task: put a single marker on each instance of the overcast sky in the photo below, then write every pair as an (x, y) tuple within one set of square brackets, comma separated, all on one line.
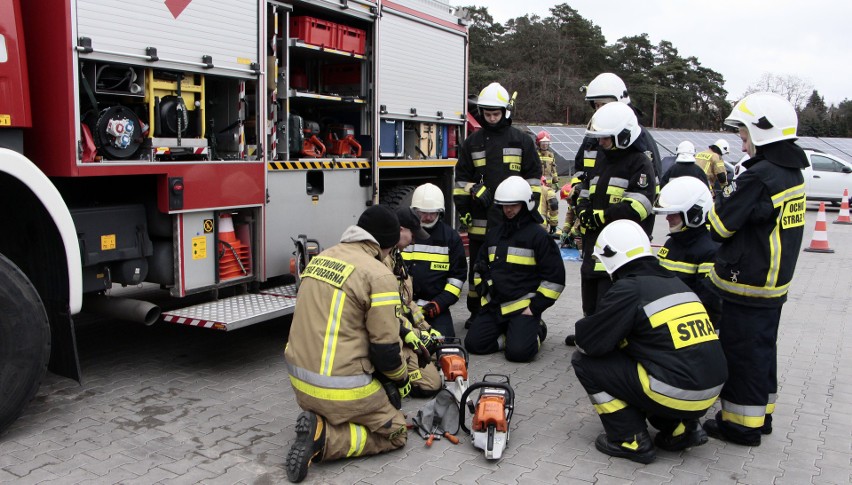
[(741, 39)]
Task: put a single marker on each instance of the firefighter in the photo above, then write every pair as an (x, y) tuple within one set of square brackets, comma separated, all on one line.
[(690, 251), (437, 263), (622, 188), (418, 338), (684, 165), (343, 353), (608, 88), (759, 219), (549, 181), (711, 162), (571, 236), (486, 158), (648, 352), (519, 274)]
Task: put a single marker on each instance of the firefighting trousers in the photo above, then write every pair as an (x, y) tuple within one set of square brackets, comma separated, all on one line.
[(620, 399), (521, 335), (749, 342), (591, 292), (425, 381), (348, 434), (443, 323), (473, 298)]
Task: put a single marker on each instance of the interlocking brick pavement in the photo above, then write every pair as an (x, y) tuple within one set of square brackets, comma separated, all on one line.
[(171, 404)]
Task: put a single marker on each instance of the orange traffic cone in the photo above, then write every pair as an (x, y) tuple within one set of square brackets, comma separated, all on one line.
[(819, 243), (233, 254), (843, 216)]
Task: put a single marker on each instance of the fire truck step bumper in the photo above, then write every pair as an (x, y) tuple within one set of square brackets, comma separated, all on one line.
[(237, 311)]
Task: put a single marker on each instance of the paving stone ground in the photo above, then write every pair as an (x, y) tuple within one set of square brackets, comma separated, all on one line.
[(171, 404)]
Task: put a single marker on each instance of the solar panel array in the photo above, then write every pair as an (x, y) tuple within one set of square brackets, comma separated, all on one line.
[(566, 140)]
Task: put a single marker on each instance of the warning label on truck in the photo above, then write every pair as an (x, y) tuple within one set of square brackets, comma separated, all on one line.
[(199, 247)]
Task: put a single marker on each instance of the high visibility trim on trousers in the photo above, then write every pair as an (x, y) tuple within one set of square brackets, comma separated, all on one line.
[(748, 290), (550, 290), (513, 306), (770, 405), (384, 299), (605, 403), (332, 328), (674, 397), (329, 394), (748, 416), (717, 225), (679, 266), (357, 439)]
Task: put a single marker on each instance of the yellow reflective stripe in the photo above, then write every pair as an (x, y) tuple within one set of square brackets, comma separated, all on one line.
[(747, 421), (774, 254), (748, 290), (789, 194), (384, 299), (748, 416), (770, 408), (637, 206), (514, 306), (547, 292), (397, 374), (480, 191), (705, 267), (420, 256), (717, 225), (671, 402), (478, 162), (588, 163), (536, 189), (458, 191), (332, 328), (357, 439), (679, 266), (452, 289), (605, 403), (476, 230), (617, 191), (517, 259), (678, 311), (599, 266), (336, 394)]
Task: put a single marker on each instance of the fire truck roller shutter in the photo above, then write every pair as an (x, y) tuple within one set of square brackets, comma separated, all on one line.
[(24, 341)]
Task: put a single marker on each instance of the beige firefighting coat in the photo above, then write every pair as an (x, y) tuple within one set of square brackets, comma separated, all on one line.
[(345, 327)]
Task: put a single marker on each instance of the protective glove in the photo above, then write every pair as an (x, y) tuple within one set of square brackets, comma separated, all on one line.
[(466, 219), (413, 341), (482, 195), (431, 309), (591, 219), (430, 343), (435, 334), (404, 387)]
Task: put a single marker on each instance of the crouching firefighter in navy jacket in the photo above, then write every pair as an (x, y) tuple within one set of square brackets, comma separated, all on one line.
[(518, 273), (648, 352)]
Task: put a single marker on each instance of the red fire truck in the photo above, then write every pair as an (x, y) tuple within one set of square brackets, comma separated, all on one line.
[(204, 149)]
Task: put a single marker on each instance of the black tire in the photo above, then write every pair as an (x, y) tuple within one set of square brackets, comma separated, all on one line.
[(398, 196), (24, 342)]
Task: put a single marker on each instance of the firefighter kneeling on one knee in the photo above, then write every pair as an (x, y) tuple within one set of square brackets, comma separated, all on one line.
[(648, 352), (343, 353), (518, 273)]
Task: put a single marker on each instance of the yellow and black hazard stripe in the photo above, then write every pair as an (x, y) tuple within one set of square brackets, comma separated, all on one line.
[(318, 165)]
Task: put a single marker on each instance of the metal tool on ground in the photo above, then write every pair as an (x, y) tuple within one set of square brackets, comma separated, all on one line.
[(492, 413), (453, 360), (438, 418)]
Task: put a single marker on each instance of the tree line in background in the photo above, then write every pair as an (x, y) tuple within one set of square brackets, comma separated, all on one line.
[(548, 60)]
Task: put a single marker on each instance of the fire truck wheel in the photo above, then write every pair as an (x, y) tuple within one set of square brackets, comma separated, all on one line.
[(398, 196), (24, 342)]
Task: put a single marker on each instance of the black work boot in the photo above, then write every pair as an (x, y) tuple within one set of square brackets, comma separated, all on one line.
[(308, 447), (571, 340), (767, 425), (542, 331), (687, 435), (640, 450), (712, 427)]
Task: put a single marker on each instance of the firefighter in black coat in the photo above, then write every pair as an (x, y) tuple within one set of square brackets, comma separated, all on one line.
[(690, 251), (648, 352), (684, 165), (486, 158), (760, 220), (622, 188), (437, 264), (519, 273)]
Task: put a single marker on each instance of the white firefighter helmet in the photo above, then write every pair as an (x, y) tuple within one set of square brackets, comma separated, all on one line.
[(768, 118), (493, 96), (616, 120), (688, 197), (514, 190), (607, 85), (619, 243), (685, 152), (723, 146), (427, 198)]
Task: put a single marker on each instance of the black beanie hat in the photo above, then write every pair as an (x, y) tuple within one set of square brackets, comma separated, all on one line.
[(382, 224), (411, 221)]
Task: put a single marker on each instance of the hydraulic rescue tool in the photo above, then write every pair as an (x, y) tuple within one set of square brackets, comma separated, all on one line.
[(492, 413), (453, 360)]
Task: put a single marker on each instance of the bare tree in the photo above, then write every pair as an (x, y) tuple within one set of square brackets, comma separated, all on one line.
[(794, 88)]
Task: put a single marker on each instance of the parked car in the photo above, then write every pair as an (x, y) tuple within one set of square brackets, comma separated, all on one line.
[(827, 177)]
